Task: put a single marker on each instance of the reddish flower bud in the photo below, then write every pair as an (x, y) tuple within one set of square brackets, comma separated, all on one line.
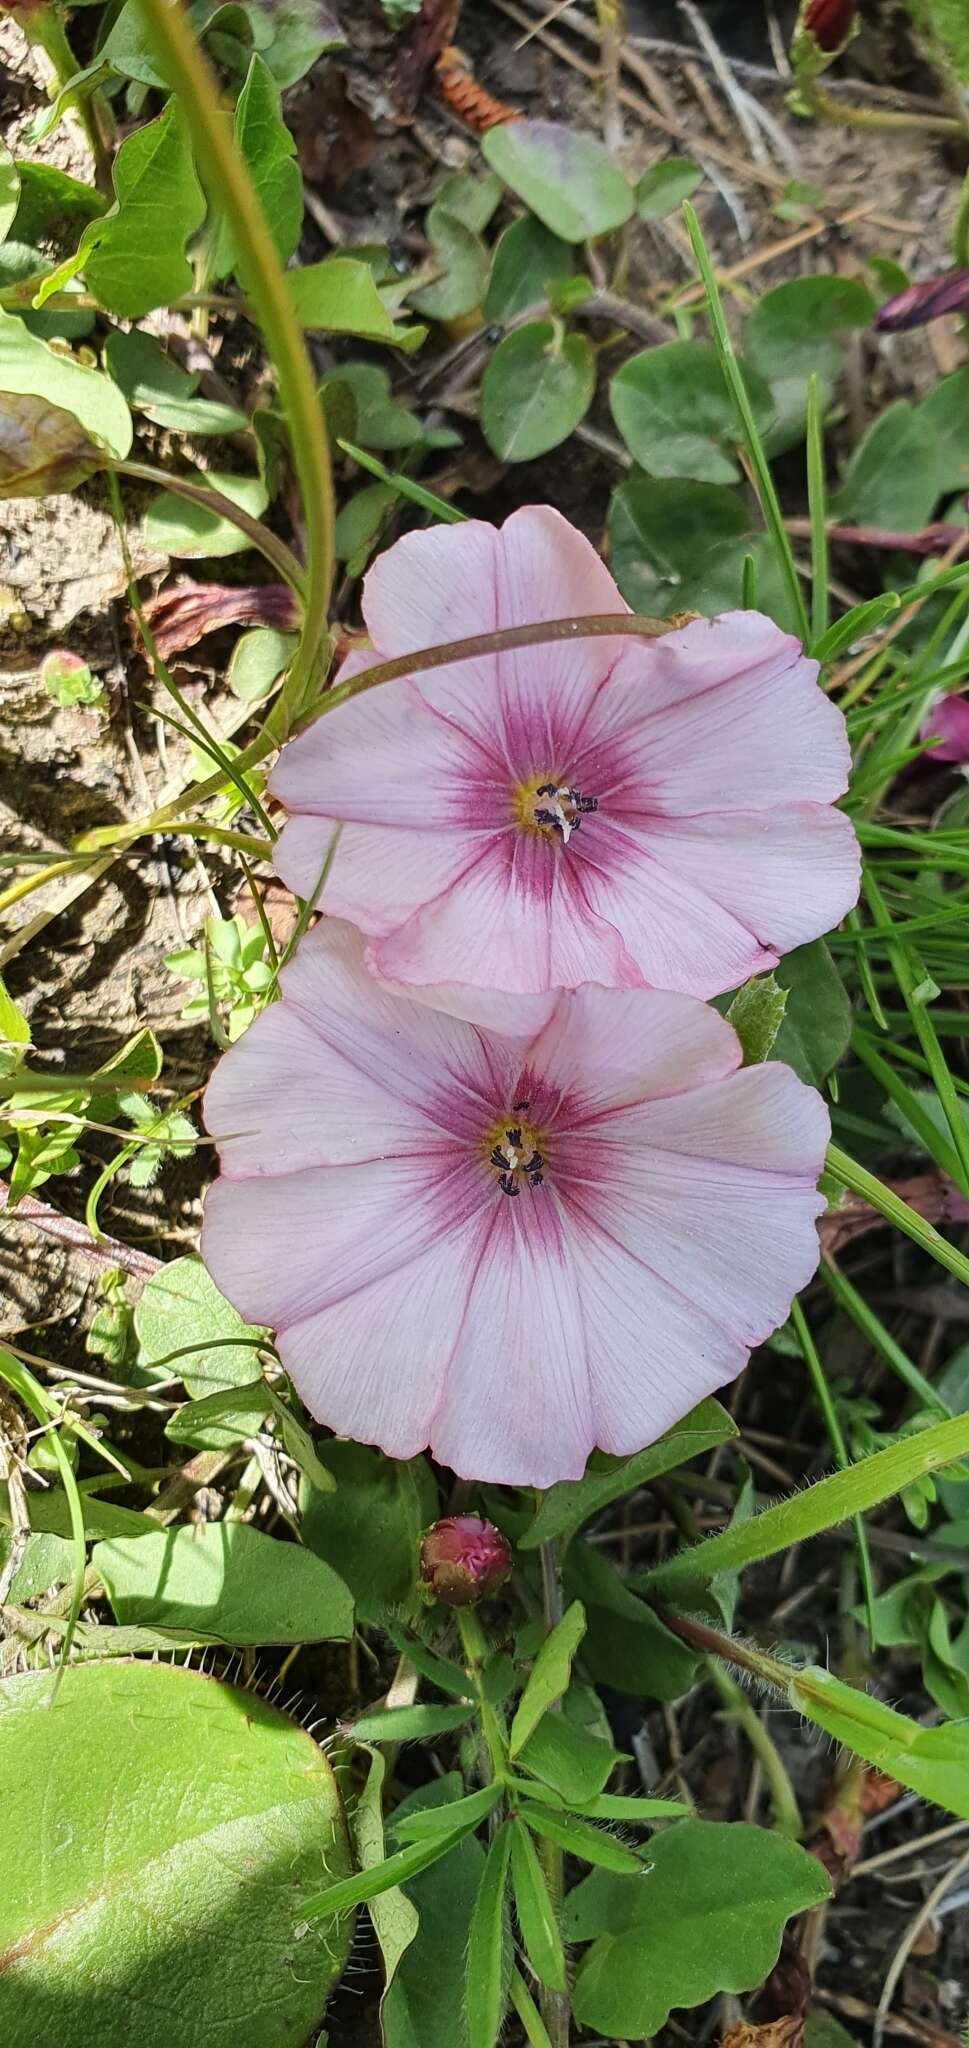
[(948, 293), (948, 724), (463, 1559), (830, 22)]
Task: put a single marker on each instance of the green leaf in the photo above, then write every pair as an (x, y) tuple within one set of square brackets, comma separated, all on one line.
[(856, 624), (424, 2007), (47, 1561), (462, 257), (563, 1755), (625, 1645), (14, 1033), (376, 420), (29, 368), (371, 1533), (9, 191), (489, 1948), (945, 411), (790, 331), (676, 545), (934, 1762), (473, 200), (50, 1514), (154, 385), (182, 1310), (536, 1913), (579, 1838), (642, 1812), (528, 259), (395, 1919), (664, 187), (236, 1583), (268, 149), (675, 414), (52, 203), (293, 35), (133, 258), (708, 1918), (425, 1822), (816, 1025), (563, 1508), (257, 659), (821, 1506), (549, 1675), (340, 297), (892, 477), (338, 1899), (176, 527), (165, 1859), (757, 1013), (537, 386), (222, 1419), (409, 1724), (568, 179)]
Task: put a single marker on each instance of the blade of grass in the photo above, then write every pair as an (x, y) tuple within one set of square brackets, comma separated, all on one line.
[(818, 515), (880, 1339), (822, 1391), (859, 1181), (910, 975), (760, 468)]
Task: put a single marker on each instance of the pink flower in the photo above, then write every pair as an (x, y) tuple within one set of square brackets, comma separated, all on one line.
[(463, 1559), (700, 767), (948, 722), (508, 1250)]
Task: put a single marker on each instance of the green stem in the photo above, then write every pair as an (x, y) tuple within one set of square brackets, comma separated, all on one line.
[(46, 30), (787, 1815), (911, 977), (269, 544), (760, 468), (819, 102), (230, 187), (859, 1181), (960, 235), (555, 2005)]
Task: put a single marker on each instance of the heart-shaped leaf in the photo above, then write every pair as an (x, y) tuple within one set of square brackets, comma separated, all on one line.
[(155, 1890)]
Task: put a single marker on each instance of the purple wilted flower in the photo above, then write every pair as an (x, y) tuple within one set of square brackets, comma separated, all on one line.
[(463, 1559), (948, 723), (920, 303)]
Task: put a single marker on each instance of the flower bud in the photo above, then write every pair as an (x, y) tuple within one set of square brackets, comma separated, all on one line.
[(947, 293), (463, 1559), (830, 22), (948, 724)]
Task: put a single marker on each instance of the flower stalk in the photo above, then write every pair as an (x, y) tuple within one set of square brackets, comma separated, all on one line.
[(227, 178)]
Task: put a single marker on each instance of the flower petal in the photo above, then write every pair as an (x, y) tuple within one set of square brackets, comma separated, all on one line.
[(384, 758), (515, 1407), (373, 1366), (785, 875), (340, 1071), (714, 1192), (283, 1247), (450, 582), (652, 1354), (673, 934), (381, 876), (724, 716), (607, 1050)]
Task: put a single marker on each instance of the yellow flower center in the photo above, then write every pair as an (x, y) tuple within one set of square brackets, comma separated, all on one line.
[(513, 1148), (550, 807)]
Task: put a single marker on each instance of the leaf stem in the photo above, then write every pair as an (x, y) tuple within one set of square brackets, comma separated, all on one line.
[(555, 2005), (230, 187), (268, 543)]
